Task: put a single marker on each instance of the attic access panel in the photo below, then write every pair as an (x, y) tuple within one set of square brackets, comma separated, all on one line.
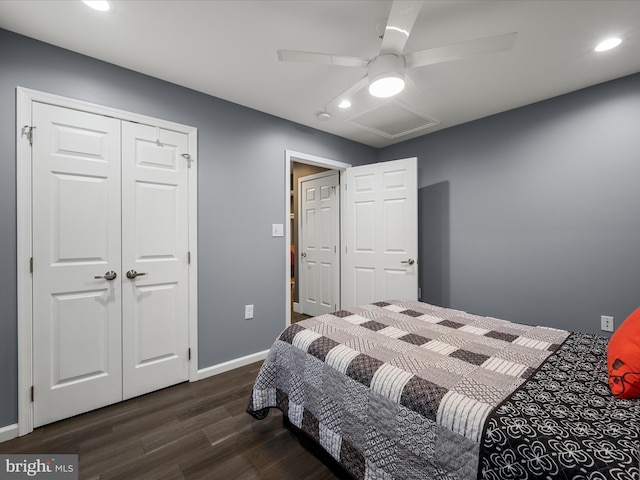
[(393, 120)]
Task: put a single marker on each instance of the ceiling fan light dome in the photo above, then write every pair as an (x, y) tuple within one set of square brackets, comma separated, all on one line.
[(386, 75), (387, 85)]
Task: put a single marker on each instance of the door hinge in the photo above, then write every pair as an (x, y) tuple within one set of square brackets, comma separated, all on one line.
[(189, 354), (33, 395), (31, 265), (189, 159), (189, 258), (28, 131)]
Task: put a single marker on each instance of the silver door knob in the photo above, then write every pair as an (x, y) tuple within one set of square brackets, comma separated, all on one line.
[(133, 274), (110, 275), (411, 261)]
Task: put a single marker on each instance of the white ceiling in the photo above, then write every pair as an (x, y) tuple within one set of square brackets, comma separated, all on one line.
[(228, 49)]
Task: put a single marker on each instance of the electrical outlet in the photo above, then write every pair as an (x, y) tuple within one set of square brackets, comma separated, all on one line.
[(606, 323)]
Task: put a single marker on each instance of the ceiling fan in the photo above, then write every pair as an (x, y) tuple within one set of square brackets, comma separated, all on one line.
[(387, 72)]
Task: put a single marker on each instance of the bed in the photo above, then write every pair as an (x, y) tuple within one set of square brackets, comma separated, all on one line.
[(407, 390)]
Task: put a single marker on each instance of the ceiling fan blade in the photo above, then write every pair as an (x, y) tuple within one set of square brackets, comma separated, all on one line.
[(457, 51), (401, 19), (349, 94), (321, 58)]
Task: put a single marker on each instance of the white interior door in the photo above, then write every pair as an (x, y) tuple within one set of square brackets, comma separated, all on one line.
[(155, 247), (381, 232), (319, 226), (76, 238)]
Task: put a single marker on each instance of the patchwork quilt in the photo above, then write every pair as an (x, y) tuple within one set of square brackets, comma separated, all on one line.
[(399, 389)]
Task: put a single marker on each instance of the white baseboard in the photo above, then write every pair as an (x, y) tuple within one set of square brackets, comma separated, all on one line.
[(297, 308), (9, 432), (231, 364)]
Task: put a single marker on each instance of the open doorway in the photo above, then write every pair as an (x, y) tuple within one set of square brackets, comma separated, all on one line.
[(299, 165), (298, 171)]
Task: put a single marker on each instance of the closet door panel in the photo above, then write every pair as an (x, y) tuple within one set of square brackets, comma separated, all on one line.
[(155, 253), (76, 238)]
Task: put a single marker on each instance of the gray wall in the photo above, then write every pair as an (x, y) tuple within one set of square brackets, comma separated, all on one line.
[(241, 193), (533, 215)]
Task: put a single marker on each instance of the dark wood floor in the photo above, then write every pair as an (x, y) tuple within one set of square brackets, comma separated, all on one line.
[(297, 317), (190, 431)]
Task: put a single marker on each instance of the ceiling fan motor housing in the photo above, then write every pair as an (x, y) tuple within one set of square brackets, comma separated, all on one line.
[(385, 64)]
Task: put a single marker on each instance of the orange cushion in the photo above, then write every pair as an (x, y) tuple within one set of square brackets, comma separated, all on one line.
[(623, 358)]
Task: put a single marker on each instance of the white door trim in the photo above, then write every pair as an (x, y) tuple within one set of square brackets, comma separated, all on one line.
[(24, 99), (289, 156)]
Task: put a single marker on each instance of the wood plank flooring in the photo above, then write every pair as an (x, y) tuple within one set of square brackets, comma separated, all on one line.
[(190, 431), (298, 317)]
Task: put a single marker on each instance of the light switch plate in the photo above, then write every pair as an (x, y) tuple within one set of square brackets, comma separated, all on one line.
[(277, 230)]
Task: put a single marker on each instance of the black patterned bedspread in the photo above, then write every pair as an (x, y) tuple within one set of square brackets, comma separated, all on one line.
[(563, 423), (399, 389)]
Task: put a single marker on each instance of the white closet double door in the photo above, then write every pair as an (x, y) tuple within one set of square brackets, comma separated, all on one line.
[(110, 260)]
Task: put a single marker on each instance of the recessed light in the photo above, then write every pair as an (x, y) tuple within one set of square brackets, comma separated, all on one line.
[(344, 104), (323, 116), (99, 5), (608, 44)]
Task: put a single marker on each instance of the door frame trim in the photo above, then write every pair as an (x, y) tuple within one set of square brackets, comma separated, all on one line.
[(24, 100), (292, 156)]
